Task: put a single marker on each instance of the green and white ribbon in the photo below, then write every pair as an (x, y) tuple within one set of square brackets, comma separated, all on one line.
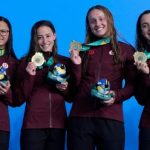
[(85, 47), (48, 63), (147, 54), (2, 51)]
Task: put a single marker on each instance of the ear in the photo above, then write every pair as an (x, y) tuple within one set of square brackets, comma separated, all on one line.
[(54, 36)]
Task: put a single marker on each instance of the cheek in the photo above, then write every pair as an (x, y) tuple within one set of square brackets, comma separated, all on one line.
[(39, 42), (5, 41), (143, 30)]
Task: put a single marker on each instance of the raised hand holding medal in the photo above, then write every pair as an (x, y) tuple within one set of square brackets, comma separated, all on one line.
[(140, 59), (74, 52)]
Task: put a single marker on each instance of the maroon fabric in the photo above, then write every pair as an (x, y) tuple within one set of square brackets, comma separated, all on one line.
[(142, 95), (6, 100), (45, 105), (101, 65)]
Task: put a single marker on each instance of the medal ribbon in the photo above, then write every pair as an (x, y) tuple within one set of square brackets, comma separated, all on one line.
[(2, 51), (48, 63), (147, 54), (86, 47)]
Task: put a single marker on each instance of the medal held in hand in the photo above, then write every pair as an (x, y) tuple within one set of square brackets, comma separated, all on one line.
[(101, 90), (75, 45), (38, 59), (85, 47), (3, 74), (57, 74), (140, 56)]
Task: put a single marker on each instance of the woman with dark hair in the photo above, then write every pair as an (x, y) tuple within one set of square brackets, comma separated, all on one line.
[(45, 113), (8, 64), (142, 93), (96, 118)]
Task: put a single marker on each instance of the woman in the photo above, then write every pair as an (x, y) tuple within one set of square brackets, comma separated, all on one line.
[(45, 113), (98, 122), (143, 78), (8, 64)]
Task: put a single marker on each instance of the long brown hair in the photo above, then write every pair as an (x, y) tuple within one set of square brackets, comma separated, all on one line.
[(141, 42)]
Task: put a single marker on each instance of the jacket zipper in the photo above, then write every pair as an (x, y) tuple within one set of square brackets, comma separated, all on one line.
[(50, 113)]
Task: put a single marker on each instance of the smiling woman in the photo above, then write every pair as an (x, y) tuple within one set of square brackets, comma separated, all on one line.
[(143, 78), (8, 64), (45, 114), (96, 118)]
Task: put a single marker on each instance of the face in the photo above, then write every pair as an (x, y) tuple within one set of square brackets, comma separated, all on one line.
[(4, 34), (145, 26), (46, 38), (98, 23)]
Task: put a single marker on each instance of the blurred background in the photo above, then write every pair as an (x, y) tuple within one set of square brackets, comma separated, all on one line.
[(68, 17)]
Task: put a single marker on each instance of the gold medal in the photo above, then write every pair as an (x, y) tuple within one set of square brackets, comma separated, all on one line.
[(140, 56), (75, 45), (38, 59)]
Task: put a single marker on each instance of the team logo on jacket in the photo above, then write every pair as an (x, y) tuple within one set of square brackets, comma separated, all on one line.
[(111, 52)]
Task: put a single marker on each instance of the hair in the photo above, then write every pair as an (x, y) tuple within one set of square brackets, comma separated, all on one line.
[(141, 42), (90, 37), (9, 44), (34, 46)]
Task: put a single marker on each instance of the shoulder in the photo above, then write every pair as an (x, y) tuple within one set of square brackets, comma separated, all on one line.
[(62, 58), (126, 46), (11, 60)]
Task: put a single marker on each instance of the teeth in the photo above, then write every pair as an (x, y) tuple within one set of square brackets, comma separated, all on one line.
[(99, 29)]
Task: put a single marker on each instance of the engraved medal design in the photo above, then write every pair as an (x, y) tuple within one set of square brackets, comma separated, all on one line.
[(140, 56), (38, 59)]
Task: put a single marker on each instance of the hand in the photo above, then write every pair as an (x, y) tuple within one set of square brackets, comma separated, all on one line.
[(31, 68), (4, 87), (142, 67), (62, 86), (75, 57), (110, 101)]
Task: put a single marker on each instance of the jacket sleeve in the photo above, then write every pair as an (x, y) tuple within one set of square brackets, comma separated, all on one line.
[(12, 67), (142, 88), (24, 84), (129, 74), (74, 72)]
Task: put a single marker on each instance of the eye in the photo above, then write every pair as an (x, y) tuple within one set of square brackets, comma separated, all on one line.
[(145, 25), (3, 31), (92, 21), (39, 37), (48, 35)]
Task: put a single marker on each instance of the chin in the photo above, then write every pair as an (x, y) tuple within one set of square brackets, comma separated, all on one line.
[(46, 50)]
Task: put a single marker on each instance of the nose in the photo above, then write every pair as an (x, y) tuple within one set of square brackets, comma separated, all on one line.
[(44, 39), (98, 22)]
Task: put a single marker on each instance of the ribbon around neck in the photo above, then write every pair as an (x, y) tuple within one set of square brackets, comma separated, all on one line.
[(147, 54), (48, 63), (2, 51), (85, 47)]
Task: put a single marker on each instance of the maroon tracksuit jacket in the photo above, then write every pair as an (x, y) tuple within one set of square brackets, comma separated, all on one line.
[(101, 65), (142, 94), (45, 105), (6, 100)]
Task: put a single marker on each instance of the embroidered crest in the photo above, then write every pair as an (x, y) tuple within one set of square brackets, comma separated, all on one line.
[(111, 52)]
